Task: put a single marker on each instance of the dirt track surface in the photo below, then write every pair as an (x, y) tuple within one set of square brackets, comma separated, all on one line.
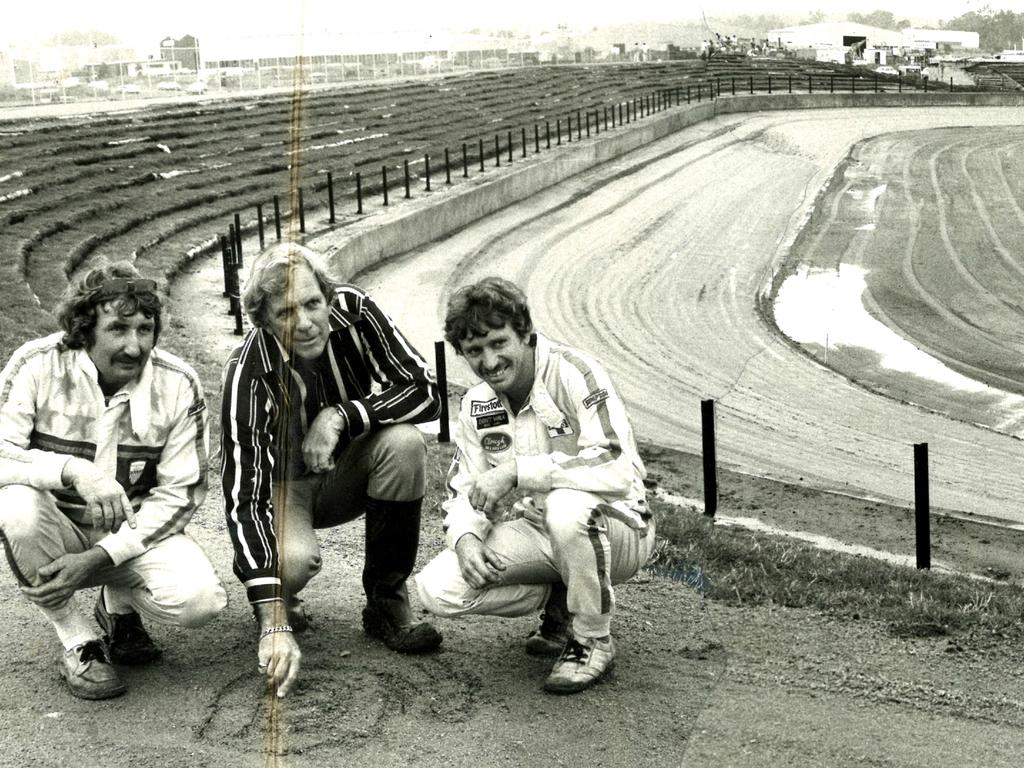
[(661, 263)]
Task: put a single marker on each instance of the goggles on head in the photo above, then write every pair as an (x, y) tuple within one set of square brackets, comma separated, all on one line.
[(122, 286)]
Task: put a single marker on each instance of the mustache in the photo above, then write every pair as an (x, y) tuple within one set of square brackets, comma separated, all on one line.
[(119, 358)]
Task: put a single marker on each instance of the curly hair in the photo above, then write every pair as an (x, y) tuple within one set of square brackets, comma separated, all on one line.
[(273, 270), (490, 303), (77, 312)]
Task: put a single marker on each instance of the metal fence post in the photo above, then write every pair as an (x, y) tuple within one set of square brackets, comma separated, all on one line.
[(259, 223), (523, 137), (510, 147), (225, 257), (922, 506), (480, 149), (465, 162), (447, 167), (302, 213), (330, 195), (277, 217), (238, 238), (707, 421), (443, 435), (405, 166), (426, 169), (384, 182), (359, 192)]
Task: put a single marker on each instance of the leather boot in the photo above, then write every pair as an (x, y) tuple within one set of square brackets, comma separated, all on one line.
[(392, 539)]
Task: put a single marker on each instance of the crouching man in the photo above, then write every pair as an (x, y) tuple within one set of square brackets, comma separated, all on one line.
[(103, 452), (545, 421), (319, 405)]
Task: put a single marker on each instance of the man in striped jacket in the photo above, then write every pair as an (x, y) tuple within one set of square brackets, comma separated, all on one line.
[(545, 424), (319, 402), (103, 452)]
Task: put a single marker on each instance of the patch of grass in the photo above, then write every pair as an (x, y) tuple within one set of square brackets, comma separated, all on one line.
[(741, 567)]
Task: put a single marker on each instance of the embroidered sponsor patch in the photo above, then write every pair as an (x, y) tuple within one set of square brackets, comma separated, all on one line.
[(492, 420), (595, 397), (135, 470), (560, 431), (198, 407), (484, 407), (496, 442)]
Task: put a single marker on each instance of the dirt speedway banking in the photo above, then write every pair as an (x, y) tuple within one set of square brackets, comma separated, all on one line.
[(662, 262)]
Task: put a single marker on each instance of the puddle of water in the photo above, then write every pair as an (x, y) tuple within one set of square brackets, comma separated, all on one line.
[(824, 307)]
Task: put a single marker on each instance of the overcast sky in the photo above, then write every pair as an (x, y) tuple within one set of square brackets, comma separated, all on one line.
[(139, 23)]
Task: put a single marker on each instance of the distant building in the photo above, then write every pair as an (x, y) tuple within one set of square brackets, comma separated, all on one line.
[(937, 39), (185, 51)]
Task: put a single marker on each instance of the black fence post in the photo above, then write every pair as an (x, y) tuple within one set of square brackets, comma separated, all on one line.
[(769, 84), (707, 421), (277, 217), (426, 169), (302, 213), (588, 125), (831, 83), (330, 196), (480, 149), (606, 117), (238, 238), (921, 506), (733, 85), (225, 256), (536, 139), (443, 434), (790, 84), (751, 85), (951, 85), (447, 167), (579, 126), (899, 82), (359, 192), (384, 182), (405, 166), (465, 162), (259, 223), (568, 128), (687, 93), (497, 152), (510, 147), (810, 85), (547, 133), (523, 137)]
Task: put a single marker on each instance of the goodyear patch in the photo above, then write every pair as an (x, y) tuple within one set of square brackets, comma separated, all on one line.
[(197, 407), (595, 397), (492, 420), (135, 470), (484, 407), (495, 442)]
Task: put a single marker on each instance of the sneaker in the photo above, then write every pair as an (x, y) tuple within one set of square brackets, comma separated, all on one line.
[(128, 641), (404, 638), (88, 672), (583, 663)]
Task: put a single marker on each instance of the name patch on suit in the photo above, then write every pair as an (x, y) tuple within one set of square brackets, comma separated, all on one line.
[(496, 442), (492, 420), (595, 397), (484, 407)]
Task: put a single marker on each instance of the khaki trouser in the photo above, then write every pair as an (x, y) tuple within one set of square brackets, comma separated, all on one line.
[(577, 545), (172, 582)]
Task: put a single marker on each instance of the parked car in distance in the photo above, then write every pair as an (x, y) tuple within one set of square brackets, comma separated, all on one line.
[(168, 85), (197, 87), (130, 88), (887, 70)]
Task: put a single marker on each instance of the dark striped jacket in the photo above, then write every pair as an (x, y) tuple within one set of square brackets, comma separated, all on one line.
[(368, 367)]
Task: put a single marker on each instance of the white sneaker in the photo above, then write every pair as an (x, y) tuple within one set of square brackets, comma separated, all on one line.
[(584, 662)]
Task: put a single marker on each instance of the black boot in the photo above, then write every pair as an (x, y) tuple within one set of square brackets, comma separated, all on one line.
[(392, 539)]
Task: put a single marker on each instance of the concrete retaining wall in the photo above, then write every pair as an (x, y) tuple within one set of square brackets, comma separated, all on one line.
[(409, 224)]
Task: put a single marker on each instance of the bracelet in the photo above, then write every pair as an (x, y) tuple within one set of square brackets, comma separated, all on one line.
[(271, 630)]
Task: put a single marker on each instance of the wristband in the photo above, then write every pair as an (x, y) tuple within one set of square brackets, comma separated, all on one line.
[(271, 630)]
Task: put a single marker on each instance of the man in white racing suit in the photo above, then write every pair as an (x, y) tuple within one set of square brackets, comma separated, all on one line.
[(546, 430)]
